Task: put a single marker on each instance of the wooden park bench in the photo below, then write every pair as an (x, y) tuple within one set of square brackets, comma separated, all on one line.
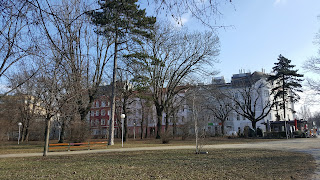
[(77, 146)]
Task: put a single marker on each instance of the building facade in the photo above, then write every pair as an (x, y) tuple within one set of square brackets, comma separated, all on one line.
[(142, 118)]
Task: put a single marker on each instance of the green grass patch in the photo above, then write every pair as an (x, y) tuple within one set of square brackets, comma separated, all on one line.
[(169, 164)]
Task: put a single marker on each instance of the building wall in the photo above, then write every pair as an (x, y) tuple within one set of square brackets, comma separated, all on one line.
[(100, 116)]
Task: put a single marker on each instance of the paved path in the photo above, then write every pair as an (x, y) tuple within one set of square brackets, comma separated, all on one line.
[(306, 145)]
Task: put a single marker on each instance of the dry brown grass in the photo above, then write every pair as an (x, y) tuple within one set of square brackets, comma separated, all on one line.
[(171, 164)]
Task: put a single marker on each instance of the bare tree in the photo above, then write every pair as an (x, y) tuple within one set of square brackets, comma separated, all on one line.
[(313, 65), (314, 120), (168, 59), (304, 112), (17, 39), (9, 116), (251, 101), (146, 109), (124, 93), (69, 36), (53, 93), (197, 113), (171, 111), (29, 106), (203, 11), (85, 53), (218, 103)]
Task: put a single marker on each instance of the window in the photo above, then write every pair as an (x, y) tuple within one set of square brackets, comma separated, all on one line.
[(104, 131), (103, 122), (108, 103), (92, 122), (97, 122), (109, 113), (96, 132), (238, 117), (103, 112), (97, 112), (103, 104), (92, 113), (97, 103)]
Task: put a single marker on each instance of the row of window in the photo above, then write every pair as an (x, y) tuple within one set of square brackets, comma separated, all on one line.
[(99, 132), (97, 122), (98, 112), (103, 104), (238, 117)]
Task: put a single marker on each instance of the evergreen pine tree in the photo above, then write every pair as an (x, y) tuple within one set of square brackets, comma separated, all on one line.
[(124, 21), (286, 82)]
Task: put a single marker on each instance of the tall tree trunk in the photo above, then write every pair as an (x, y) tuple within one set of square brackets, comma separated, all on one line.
[(113, 96), (159, 121), (22, 133), (62, 131), (26, 132), (142, 119), (141, 129), (147, 124), (174, 129), (254, 125), (222, 128), (167, 122), (85, 110), (47, 133)]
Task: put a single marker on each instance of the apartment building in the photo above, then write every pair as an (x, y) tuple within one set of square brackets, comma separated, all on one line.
[(141, 114)]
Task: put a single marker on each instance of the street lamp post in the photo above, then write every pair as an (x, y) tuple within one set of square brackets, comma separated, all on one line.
[(19, 124), (134, 130), (122, 119)]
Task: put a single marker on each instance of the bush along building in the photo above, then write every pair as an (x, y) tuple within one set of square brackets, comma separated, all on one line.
[(243, 107)]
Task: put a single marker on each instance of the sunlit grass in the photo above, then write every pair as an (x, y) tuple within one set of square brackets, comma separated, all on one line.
[(170, 164)]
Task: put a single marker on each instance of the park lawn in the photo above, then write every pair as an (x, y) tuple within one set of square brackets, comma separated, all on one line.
[(169, 164), (11, 147)]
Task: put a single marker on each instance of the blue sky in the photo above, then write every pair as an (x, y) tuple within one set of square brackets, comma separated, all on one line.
[(258, 31), (263, 30)]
